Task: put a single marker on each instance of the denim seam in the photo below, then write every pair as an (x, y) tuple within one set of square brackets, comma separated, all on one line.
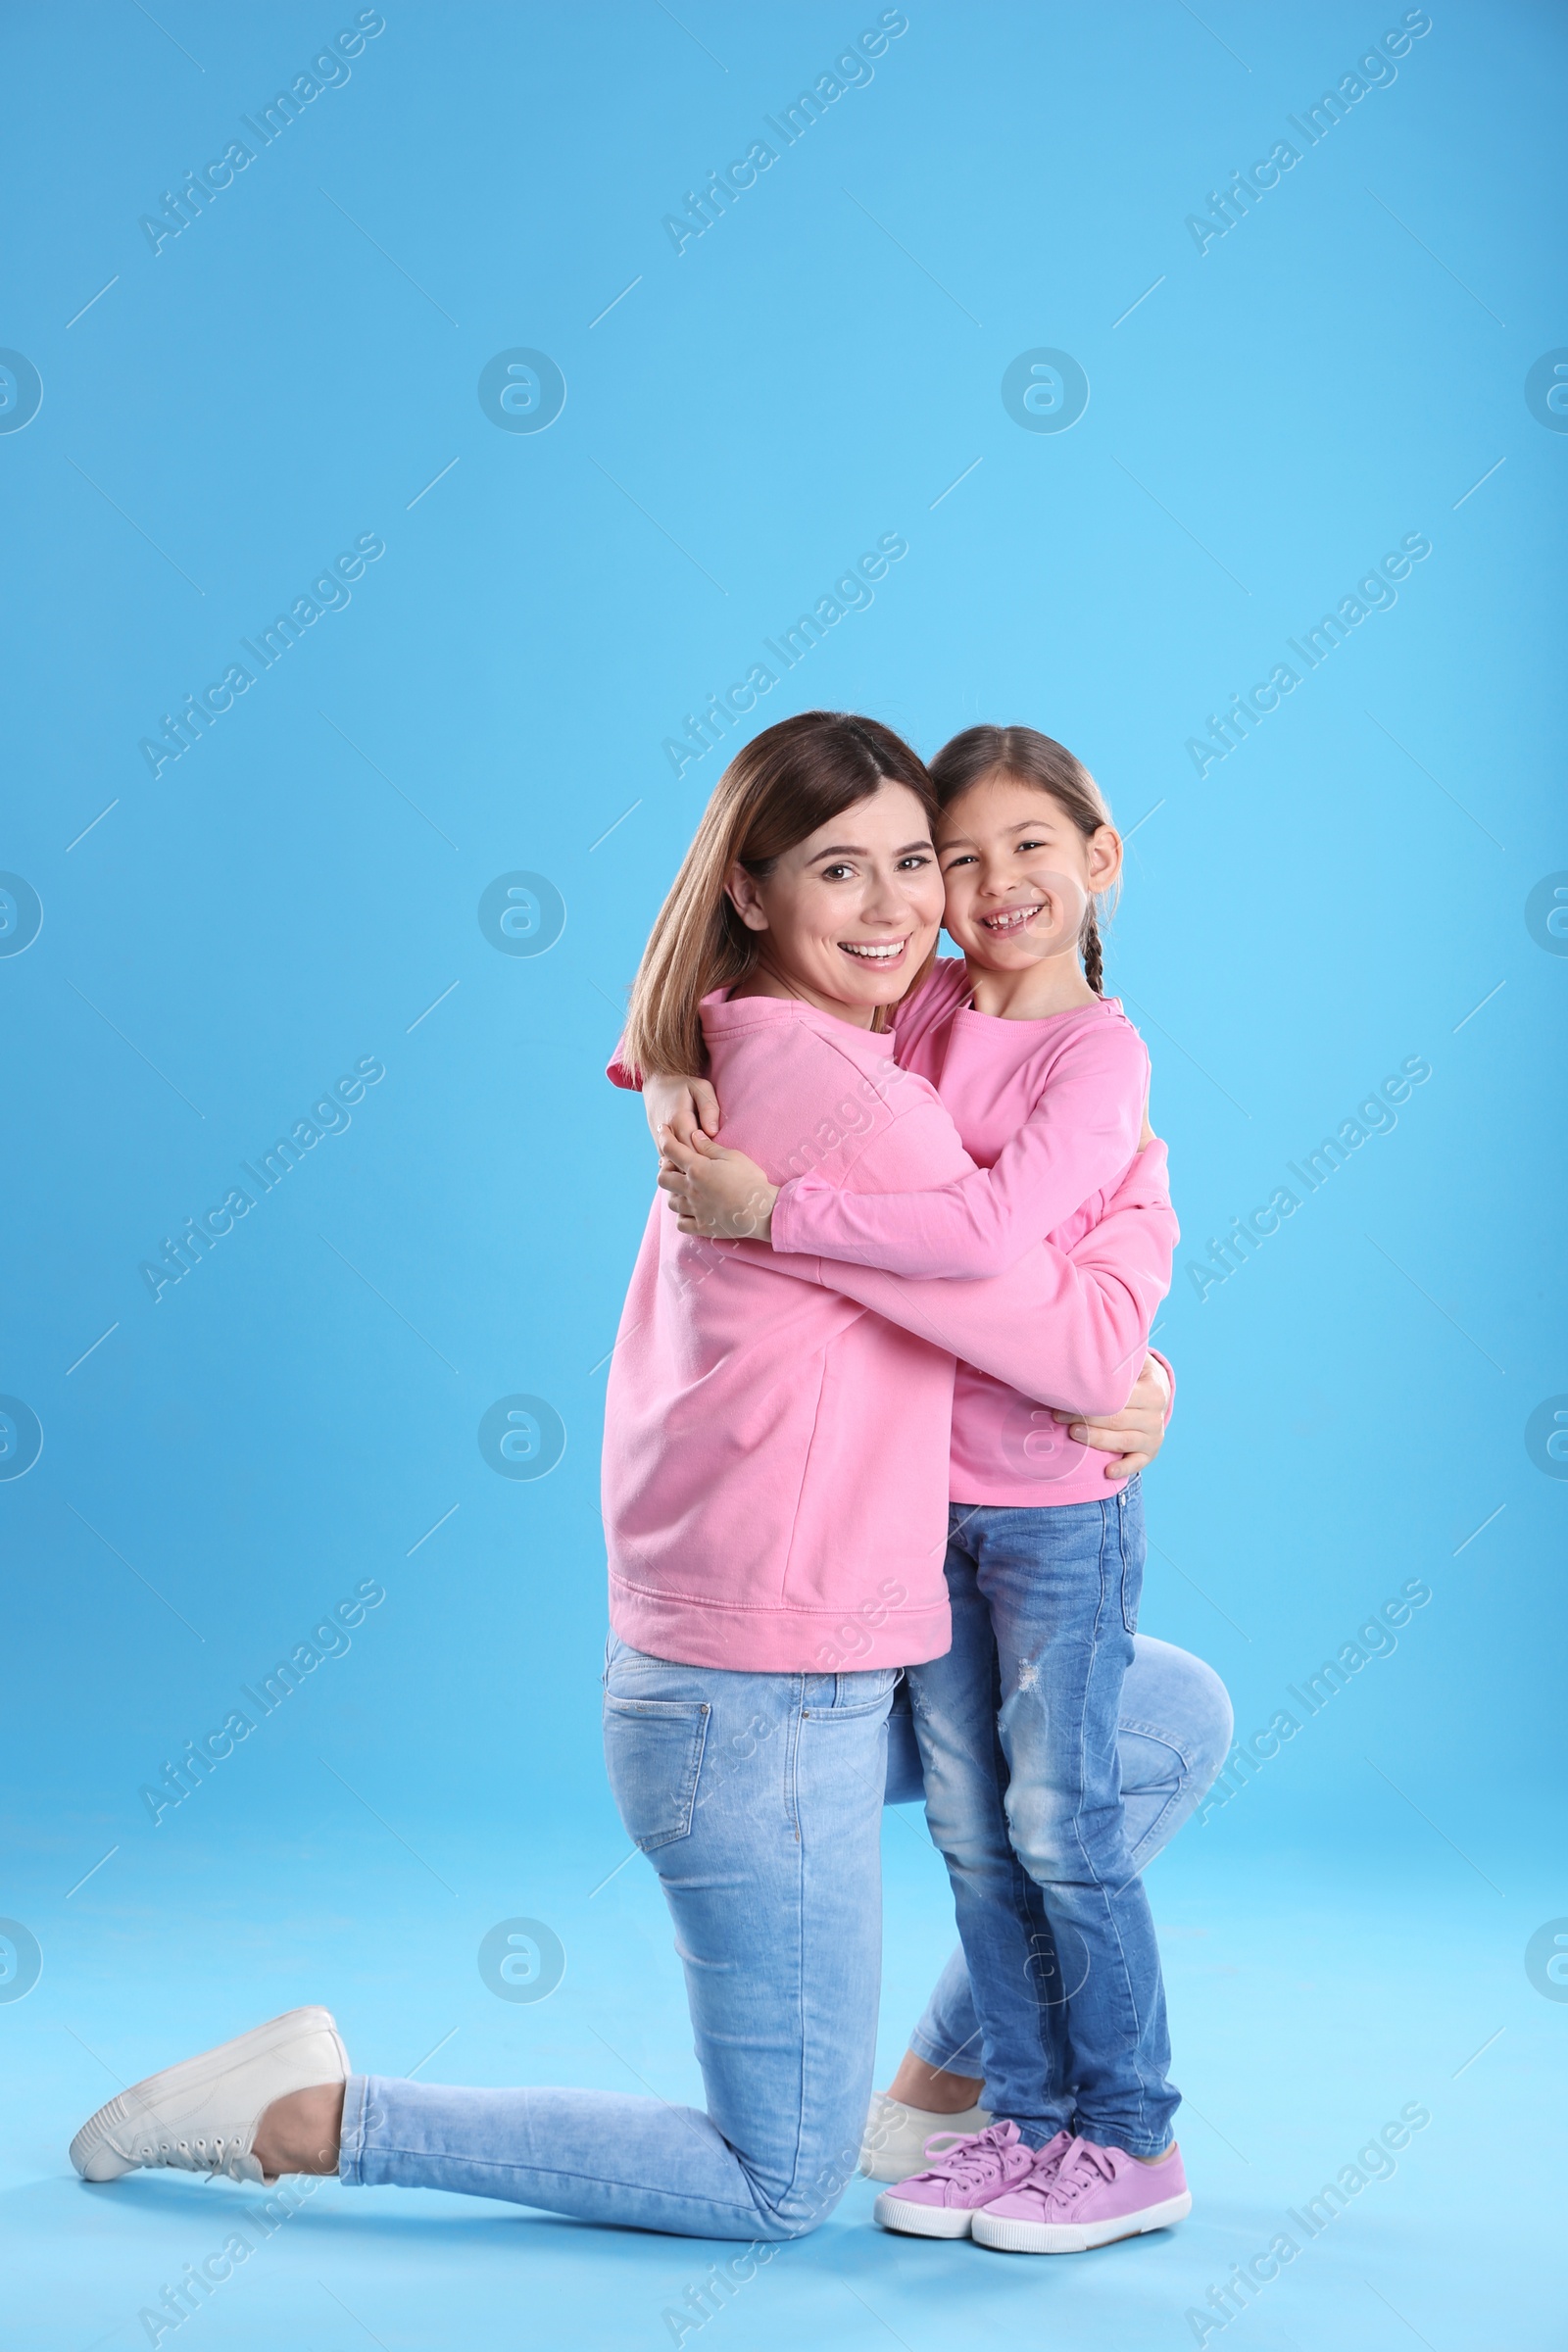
[(1133, 1852), (1160, 1732), (791, 1758), (1076, 1823), (557, 2171), (1127, 1993), (1131, 1624), (799, 1946), (924, 2047), (351, 2137)]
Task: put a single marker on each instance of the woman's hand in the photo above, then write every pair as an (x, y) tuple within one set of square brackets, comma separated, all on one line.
[(687, 1106), (1133, 1435), (718, 1194)]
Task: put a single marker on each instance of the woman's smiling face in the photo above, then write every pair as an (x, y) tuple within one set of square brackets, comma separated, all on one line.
[(848, 915)]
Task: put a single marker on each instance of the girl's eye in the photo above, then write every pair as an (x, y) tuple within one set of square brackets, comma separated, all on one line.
[(963, 857), (1031, 844)]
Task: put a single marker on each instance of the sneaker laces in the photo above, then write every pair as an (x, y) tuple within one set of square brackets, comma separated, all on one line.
[(970, 2158), (1085, 2165), (200, 2155)]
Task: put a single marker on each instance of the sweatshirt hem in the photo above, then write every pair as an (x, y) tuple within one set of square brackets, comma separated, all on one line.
[(779, 1640), (982, 1495)]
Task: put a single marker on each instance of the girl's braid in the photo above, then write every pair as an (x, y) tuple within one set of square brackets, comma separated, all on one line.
[(1093, 961)]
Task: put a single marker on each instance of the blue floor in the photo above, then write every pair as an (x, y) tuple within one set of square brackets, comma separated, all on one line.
[(1312, 2002)]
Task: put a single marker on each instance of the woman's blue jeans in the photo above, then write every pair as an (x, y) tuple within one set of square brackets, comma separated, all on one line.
[(757, 1798)]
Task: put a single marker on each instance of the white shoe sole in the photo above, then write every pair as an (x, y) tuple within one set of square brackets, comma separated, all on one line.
[(922, 2221), (895, 2140), (1005, 2236), (93, 2153)]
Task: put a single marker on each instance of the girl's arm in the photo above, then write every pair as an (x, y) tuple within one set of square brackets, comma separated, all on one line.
[(1068, 1329), (681, 1108), (1080, 1137)]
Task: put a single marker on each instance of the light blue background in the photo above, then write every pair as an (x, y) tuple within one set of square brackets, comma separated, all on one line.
[(299, 890)]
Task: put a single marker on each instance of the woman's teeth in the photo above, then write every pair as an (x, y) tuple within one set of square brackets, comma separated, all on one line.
[(1013, 919), (873, 954)]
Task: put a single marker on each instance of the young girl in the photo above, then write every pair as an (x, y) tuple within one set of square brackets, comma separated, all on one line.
[(1047, 1081)]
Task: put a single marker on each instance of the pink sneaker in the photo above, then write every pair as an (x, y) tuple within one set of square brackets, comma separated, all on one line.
[(1093, 2196), (972, 2169)]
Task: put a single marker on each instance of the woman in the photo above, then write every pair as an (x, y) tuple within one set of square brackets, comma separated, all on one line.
[(776, 1505)]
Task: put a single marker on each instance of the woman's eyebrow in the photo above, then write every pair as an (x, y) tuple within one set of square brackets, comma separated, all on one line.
[(851, 849)]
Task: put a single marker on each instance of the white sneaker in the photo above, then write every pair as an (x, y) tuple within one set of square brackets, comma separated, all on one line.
[(895, 2140), (202, 2115)]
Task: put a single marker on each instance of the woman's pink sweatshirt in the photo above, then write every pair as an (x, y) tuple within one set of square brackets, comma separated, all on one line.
[(1051, 1112), (775, 1464)]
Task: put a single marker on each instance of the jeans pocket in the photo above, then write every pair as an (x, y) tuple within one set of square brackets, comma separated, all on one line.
[(852, 1696), (653, 1756)]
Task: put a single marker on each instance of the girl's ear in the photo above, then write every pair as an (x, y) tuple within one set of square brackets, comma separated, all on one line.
[(742, 891), (1104, 848)]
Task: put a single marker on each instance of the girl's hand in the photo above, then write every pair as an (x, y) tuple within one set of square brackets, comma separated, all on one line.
[(687, 1106), (1133, 1435), (718, 1194)]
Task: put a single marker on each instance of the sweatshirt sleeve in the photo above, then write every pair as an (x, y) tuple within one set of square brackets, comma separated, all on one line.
[(620, 1074), (1080, 1137), (1070, 1330)]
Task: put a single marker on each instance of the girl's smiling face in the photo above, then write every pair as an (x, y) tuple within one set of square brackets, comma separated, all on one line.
[(850, 914), (1019, 874)]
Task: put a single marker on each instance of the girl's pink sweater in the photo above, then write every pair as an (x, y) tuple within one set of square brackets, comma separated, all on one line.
[(1051, 1112), (776, 1465)]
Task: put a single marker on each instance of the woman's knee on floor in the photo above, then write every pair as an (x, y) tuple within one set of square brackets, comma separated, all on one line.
[(812, 2201)]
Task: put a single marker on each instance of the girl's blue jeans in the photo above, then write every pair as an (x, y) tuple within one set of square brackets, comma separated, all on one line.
[(1019, 1728)]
